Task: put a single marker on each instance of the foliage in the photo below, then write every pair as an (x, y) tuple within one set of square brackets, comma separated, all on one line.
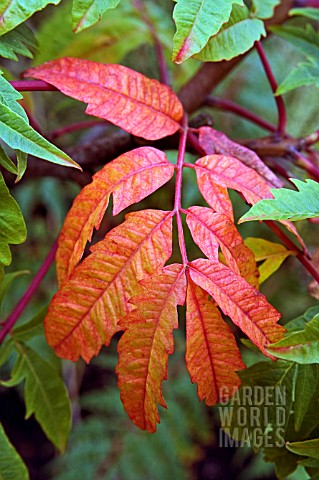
[(288, 204), (293, 387), (151, 271)]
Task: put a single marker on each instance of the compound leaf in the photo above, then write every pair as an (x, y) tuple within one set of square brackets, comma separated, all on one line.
[(309, 448), (147, 342), (12, 226), (87, 12), (307, 382), (18, 134), (212, 355), (196, 21), (211, 230), (247, 307), (304, 75), (264, 8), (20, 41), (312, 13), (237, 36), (305, 40), (11, 464), (288, 204), (45, 394), (213, 141), (7, 163), (84, 313), (139, 105), (130, 177), (14, 12), (301, 346), (229, 172)]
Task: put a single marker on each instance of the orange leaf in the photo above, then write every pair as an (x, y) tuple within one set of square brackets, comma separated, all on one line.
[(247, 307), (145, 346), (210, 230), (215, 195), (130, 177), (83, 315), (212, 355), (231, 173), (139, 105), (213, 141)]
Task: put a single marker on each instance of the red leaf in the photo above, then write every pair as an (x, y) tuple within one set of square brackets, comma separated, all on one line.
[(215, 195), (131, 177), (83, 315), (212, 355), (247, 307), (146, 344), (139, 105), (210, 230), (231, 173), (213, 141)]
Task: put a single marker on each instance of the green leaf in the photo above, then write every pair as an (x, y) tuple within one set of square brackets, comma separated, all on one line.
[(300, 322), (22, 164), (307, 383), (303, 75), (20, 41), (301, 347), (14, 12), (9, 96), (263, 8), (87, 12), (7, 282), (7, 163), (31, 328), (266, 395), (118, 33), (285, 462), (310, 462), (45, 394), (11, 464), (6, 349), (305, 40), (271, 254), (309, 448), (312, 13), (18, 134), (12, 226), (288, 204), (196, 21), (234, 38)]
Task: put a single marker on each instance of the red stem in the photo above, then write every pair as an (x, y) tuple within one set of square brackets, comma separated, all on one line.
[(306, 164), (14, 316), (74, 127), (162, 67), (32, 86), (282, 118), (178, 189), (229, 106), (301, 257)]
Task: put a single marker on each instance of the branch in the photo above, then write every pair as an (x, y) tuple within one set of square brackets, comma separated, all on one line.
[(229, 106)]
